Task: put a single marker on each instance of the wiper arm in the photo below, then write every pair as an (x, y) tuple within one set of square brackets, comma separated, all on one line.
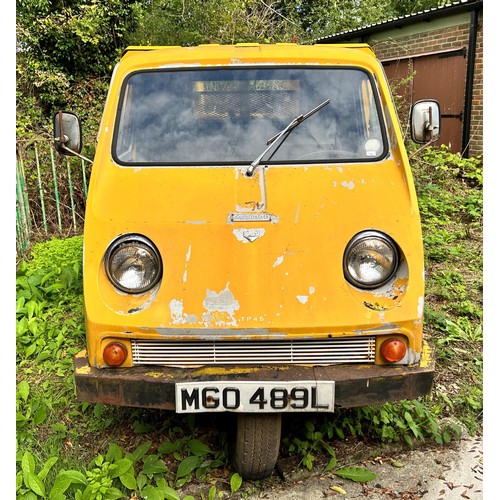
[(270, 142)]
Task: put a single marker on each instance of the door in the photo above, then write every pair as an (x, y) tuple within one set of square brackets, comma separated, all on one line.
[(437, 76)]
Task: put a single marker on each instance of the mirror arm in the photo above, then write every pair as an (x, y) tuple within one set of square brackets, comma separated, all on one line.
[(420, 148), (75, 153)]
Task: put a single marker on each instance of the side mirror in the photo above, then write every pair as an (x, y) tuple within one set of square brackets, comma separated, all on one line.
[(425, 121), (67, 133)]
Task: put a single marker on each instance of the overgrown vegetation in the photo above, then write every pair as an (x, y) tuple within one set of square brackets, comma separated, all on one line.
[(67, 449), (449, 189), (66, 50)]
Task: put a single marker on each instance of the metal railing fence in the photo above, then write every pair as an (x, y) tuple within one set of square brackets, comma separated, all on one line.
[(51, 192)]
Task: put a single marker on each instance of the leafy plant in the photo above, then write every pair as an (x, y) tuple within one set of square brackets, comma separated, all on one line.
[(195, 457), (30, 411), (30, 483), (408, 421), (235, 482), (58, 255), (107, 477), (100, 478), (307, 446), (443, 160), (314, 442), (461, 331), (356, 474)]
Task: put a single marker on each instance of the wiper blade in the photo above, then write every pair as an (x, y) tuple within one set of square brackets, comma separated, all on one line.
[(270, 142)]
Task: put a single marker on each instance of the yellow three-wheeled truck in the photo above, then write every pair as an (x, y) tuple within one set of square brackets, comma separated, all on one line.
[(252, 238)]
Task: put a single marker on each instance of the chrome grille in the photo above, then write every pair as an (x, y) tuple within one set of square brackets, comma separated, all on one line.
[(272, 352)]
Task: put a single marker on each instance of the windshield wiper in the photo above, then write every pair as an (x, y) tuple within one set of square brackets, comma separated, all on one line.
[(270, 142)]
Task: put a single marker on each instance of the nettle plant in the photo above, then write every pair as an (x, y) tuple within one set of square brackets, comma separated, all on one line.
[(405, 421), (106, 478)]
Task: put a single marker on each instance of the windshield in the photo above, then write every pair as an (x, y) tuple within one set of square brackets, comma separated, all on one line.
[(227, 116)]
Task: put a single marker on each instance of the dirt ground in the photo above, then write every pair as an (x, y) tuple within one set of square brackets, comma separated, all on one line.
[(432, 473)]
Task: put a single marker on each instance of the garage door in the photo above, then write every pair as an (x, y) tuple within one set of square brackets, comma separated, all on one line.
[(437, 76)]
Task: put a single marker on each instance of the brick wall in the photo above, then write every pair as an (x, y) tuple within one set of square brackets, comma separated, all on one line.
[(441, 40), (422, 43), (476, 141)]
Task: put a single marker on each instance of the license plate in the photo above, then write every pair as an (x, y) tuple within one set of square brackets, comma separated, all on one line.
[(254, 397)]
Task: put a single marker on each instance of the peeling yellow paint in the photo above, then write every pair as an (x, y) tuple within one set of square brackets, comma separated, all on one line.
[(279, 261), (426, 358), (83, 370), (348, 185), (240, 370), (155, 374)]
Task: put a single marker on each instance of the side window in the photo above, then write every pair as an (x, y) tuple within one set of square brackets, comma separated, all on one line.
[(125, 142), (371, 122)]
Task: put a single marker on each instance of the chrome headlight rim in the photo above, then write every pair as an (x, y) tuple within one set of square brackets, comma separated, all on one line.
[(373, 235), (142, 242)]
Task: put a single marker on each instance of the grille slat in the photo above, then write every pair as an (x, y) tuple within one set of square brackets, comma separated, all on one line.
[(321, 351)]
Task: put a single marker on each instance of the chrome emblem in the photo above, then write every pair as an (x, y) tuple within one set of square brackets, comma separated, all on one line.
[(252, 217), (248, 235)]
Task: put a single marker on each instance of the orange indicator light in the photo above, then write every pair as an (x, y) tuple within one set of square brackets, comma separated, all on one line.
[(393, 350), (115, 354)]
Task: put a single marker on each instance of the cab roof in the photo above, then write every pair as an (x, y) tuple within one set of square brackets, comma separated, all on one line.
[(142, 48), (142, 57)]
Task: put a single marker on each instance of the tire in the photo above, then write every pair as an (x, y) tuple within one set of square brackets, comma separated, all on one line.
[(256, 444)]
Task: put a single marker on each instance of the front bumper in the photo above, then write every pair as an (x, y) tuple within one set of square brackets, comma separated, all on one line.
[(154, 386)]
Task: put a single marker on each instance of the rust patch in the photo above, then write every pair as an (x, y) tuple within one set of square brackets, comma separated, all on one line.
[(376, 306)]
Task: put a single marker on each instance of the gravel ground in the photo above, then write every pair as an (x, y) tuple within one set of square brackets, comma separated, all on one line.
[(438, 473)]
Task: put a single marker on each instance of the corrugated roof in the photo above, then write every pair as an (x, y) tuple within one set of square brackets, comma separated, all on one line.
[(425, 15)]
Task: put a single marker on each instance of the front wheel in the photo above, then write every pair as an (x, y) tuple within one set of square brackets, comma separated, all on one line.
[(256, 444)]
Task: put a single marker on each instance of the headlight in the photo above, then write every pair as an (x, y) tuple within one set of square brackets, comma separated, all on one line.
[(370, 259), (133, 264)]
